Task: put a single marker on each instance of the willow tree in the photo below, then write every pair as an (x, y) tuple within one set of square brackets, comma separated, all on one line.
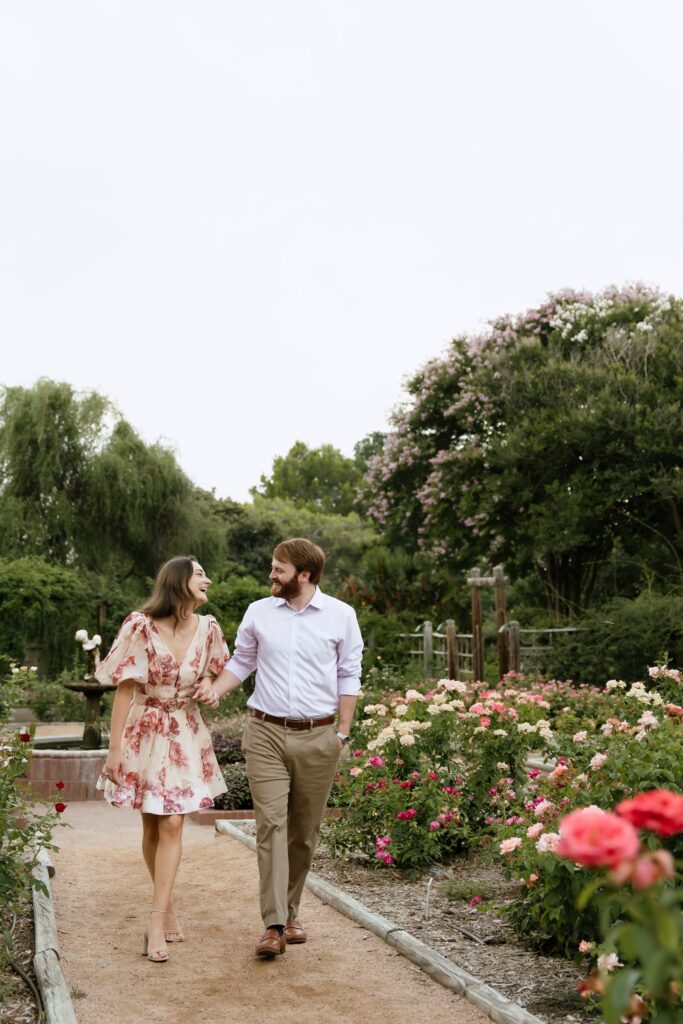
[(545, 442), (78, 487)]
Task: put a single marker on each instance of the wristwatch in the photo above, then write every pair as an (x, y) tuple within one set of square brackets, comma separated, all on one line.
[(343, 738)]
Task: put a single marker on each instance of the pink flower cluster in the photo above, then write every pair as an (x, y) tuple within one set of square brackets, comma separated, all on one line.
[(381, 843)]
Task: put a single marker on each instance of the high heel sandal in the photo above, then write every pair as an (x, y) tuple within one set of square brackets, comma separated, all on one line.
[(175, 934), (157, 956)]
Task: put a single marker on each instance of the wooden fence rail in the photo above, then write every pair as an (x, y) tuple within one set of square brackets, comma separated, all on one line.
[(442, 647)]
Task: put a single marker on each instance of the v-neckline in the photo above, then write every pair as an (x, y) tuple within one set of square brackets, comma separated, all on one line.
[(189, 646)]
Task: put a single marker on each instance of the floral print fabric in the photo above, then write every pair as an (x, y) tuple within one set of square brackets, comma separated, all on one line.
[(168, 761)]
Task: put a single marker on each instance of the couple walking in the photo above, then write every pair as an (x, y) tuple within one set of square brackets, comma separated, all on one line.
[(306, 649)]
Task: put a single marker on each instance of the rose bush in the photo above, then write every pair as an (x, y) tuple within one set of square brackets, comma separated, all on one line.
[(638, 971), (25, 826)]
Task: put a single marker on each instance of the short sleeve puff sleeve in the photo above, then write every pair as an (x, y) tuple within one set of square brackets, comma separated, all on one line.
[(127, 661), (218, 654)]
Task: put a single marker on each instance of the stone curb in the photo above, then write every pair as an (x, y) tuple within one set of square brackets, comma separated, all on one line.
[(496, 1006), (51, 982)]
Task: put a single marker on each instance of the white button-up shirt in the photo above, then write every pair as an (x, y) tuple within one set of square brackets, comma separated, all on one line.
[(304, 660)]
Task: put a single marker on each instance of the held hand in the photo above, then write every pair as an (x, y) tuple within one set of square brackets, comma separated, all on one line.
[(113, 767), (205, 692)]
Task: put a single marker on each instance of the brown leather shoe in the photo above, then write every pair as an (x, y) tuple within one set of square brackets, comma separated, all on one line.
[(294, 931), (270, 944)]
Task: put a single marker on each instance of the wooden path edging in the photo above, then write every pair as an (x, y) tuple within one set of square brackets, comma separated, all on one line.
[(498, 1007), (51, 982)]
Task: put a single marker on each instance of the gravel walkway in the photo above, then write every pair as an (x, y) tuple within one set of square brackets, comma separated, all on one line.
[(102, 892)]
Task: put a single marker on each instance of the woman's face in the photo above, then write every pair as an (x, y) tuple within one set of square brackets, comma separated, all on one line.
[(198, 584)]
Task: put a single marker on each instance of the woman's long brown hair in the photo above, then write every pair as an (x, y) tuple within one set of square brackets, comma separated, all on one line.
[(171, 594)]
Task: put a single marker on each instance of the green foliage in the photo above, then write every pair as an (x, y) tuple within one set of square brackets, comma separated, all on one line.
[(466, 889), (25, 829), (228, 601), (252, 531), (321, 479), (238, 795), (41, 607), (79, 487), (620, 639), (545, 443), (226, 736)]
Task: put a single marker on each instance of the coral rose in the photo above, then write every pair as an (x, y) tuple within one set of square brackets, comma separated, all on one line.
[(596, 838), (659, 811)]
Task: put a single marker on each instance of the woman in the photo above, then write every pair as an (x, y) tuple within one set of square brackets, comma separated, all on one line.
[(160, 758)]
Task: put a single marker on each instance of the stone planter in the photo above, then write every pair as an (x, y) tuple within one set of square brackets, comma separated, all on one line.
[(77, 769)]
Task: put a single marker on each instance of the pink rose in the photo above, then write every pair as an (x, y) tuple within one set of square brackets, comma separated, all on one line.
[(596, 838), (645, 871), (434, 825), (508, 845)]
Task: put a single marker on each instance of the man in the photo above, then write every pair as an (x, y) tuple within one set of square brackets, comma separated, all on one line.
[(306, 648)]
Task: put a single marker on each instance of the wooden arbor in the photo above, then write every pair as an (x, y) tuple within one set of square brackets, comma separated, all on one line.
[(498, 581)]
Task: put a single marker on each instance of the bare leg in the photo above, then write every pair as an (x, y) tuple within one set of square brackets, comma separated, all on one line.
[(168, 851), (150, 843), (150, 840)]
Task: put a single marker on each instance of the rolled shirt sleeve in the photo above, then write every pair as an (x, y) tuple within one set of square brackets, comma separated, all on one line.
[(350, 653), (245, 651)]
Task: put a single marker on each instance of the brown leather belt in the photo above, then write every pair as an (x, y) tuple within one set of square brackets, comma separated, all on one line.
[(293, 723)]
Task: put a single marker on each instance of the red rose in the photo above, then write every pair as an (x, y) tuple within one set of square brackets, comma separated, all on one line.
[(659, 811), (59, 785), (59, 807), (25, 737)]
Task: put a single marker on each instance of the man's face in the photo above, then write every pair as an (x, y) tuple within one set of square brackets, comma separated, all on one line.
[(285, 581)]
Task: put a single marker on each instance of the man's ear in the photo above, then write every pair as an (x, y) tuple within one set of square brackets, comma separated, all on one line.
[(303, 576)]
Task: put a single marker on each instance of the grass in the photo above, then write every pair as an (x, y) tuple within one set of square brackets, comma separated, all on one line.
[(466, 889)]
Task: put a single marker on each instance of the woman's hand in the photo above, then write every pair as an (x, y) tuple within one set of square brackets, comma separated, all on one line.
[(113, 767), (205, 692)]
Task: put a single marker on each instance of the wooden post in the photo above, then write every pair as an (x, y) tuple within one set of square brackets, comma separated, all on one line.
[(501, 619), (451, 649), (477, 638), (512, 633), (428, 647)]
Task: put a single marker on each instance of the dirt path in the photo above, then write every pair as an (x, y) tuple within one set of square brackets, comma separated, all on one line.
[(342, 975)]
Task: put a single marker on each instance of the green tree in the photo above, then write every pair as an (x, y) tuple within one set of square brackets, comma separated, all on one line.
[(79, 487), (319, 478), (547, 443), (253, 530)]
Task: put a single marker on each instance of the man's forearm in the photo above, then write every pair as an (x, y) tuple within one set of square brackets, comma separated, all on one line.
[(347, 706), (226, 682)]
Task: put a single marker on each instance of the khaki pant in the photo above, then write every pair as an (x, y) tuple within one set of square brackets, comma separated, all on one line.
[(290, 773)]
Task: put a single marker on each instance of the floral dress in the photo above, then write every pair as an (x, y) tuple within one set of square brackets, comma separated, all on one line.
[(169, 766)]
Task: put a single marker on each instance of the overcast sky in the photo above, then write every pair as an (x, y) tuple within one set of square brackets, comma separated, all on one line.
[(247, 222)]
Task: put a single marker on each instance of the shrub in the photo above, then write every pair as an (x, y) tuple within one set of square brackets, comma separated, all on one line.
[(24, 828), (238, 795)]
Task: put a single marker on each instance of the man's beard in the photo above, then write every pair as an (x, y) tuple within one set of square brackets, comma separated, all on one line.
[(288, 590)]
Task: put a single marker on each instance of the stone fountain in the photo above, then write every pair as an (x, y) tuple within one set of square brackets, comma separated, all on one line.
[(92, 690)]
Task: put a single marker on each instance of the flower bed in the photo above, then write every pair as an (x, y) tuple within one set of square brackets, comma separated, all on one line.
[(441, 769)]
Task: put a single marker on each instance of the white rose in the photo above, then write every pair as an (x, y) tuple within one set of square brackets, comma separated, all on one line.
[(81, 636)]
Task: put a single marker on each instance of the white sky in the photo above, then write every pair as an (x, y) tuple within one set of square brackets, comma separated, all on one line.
[(247, 222)]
